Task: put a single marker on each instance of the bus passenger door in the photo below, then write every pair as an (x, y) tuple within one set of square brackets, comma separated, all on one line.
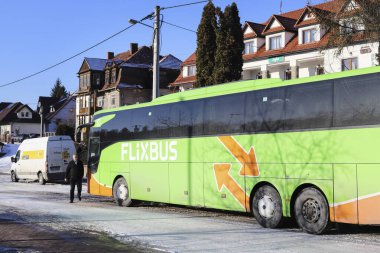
[(368, 193), (93, 177)]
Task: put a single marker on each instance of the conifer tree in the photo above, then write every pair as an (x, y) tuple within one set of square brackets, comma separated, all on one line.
[(222, 58), (58, 90), (234, 44), (206, 46)]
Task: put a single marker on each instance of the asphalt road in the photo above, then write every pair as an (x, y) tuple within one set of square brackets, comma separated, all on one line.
[(44, 217)]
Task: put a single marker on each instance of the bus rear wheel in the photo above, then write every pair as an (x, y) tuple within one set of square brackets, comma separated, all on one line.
[(267, 207), (120, 192), (312, 211)]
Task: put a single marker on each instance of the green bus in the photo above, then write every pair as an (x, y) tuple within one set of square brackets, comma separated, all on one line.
[(307, 148)]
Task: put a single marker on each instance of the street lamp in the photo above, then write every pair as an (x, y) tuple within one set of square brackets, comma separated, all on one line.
[(42, 120), (156, 50)]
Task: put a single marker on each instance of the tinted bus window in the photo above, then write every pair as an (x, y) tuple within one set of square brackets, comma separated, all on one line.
[(357, 101), (265, 110), (309, 106), (224, 114), (186, 119), (142, 123)]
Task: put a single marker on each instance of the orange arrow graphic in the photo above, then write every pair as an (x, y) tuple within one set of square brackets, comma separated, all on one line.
[(223, 178), (248, 160)]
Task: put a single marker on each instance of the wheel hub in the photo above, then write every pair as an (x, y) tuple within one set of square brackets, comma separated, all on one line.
[(311, 211), (122, 192), (266, 207)]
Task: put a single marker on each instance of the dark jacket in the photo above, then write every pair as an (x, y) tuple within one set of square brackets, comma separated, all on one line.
[(75, 171)]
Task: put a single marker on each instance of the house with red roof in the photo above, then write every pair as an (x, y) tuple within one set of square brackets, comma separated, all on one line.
[(289, 45), (122, 79)]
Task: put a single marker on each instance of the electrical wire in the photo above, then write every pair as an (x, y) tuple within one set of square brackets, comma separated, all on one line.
[(180, 27), (182, 5), (75, 55)]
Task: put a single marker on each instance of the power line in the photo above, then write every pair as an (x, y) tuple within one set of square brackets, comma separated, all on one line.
[(73, 56), (180, 27), (182, 5)]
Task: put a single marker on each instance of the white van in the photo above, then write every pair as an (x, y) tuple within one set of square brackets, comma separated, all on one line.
[(43, 159)]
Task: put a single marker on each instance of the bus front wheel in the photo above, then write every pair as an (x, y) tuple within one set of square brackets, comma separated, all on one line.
[(312, 211), (267, 207), (120, 192)]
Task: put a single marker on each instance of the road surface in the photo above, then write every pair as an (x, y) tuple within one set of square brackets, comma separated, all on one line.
[(149, 227)]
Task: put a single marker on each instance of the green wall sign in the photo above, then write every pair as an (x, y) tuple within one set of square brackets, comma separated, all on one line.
[(276, 59)]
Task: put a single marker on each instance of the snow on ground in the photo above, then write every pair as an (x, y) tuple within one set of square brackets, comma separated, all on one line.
[(5, 161)]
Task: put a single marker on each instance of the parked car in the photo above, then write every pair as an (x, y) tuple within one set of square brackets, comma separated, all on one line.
[(43, 159)]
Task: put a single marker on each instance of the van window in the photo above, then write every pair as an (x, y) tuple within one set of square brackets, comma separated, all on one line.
[(17, 157)]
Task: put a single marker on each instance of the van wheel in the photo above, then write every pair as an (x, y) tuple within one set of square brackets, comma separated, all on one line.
[(14, 177), (41, 179), (267, 207), (120, 192), (312, 211)]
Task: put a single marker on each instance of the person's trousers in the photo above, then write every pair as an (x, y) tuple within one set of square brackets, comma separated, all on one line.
[(78, 183)]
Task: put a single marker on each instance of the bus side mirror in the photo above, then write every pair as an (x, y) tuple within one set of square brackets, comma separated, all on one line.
[(13, 160)]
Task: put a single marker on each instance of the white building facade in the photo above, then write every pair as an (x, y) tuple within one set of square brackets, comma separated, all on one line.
[(290, 46)]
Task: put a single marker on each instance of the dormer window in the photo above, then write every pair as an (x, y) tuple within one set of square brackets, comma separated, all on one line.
[(107, 77), (275, 42), (27, 114), (113, 79), (309, 36), (192, 70), (249, 47), (22, 115)]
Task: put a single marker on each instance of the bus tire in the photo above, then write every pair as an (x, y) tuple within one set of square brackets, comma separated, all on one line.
[(311, 211), (41, 179), (120, 192), (14, 177), (267, 207)]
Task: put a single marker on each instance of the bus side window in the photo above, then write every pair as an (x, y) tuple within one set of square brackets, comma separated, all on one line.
[(309, 106), (265, 110), (356, 101), (224, 114), (186, 119)]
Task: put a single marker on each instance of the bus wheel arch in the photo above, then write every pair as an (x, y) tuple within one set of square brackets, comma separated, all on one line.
[(121, 192), (310, 209), (266, 205)]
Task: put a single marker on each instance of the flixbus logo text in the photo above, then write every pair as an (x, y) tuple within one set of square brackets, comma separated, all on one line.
[(149, 151)]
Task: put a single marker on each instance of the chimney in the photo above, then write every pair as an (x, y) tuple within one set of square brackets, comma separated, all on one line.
[(134, 47), (110, 55)]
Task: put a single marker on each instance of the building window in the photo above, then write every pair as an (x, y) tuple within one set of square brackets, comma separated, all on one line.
[(113, 80), (100, 102), (249, 47), (275, 42), (309, 36), (27, 114), (349, 64), (113, 100), (96, 79), (192, 70), (288, 74), (320, 70), (22, 114), (107, 78)]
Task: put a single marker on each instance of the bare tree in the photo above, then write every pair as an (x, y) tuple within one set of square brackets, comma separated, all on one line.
[(351, 21)]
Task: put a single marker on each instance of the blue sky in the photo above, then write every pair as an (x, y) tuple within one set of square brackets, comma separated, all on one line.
[(37, 34)]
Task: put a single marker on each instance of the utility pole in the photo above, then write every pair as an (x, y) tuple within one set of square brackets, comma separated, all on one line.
[(156, 54)]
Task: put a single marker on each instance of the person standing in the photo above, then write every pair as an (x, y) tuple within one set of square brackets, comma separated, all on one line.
[(74, 175)]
